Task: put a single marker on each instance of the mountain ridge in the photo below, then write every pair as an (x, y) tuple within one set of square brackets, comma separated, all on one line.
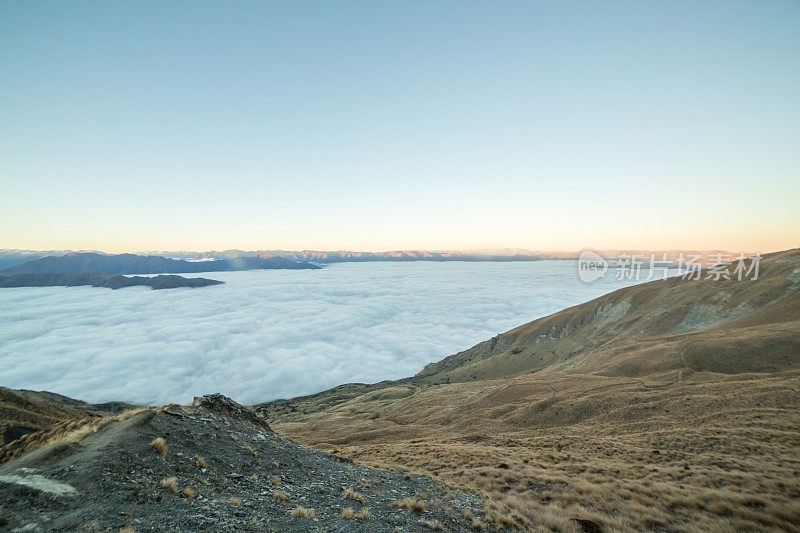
[(98, 279), (213, 465), (78, 262)]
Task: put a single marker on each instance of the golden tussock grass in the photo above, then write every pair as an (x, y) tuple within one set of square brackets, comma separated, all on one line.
[(280, 496), (363, 514), (353, 495), (605, 449), (303, 512), (418, 506), (67, 431), (159, 445), (201, 462), (171, 484), (189, 493), (252, 450)]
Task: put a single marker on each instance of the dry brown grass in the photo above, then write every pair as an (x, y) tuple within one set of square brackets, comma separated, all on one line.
[(159, 445), (349, 514), (252, 450), (201, 462), (353, 495), (280, 496), (275, 480), (67, 431), (126, 529), (236, 501), (303, 512), (418, 506), (171, 484), (630, 457), (189, 493)]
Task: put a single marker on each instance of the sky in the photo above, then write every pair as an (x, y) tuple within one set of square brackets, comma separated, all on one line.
[(399, 125)]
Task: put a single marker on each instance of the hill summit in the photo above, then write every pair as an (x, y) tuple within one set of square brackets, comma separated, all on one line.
[(213, 465)]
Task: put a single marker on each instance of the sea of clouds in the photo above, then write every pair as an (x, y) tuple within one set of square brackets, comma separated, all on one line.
[(271, 334)]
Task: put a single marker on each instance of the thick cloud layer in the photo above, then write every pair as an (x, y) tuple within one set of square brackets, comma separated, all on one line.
[(270, 334)]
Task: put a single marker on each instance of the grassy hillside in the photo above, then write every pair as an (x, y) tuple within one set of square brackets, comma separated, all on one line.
[(669, 405)]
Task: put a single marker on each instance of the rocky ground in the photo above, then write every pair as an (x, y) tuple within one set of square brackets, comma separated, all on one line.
[(221, 468)]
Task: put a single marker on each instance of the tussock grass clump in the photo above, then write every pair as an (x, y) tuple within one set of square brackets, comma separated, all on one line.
[(126, 529), (252, 450), (418, 506), (201, 462), (303, 512), (503, 520), (275, 480), (349, 514), (353, 495), (189, 493), (159, 445), (171, 484), (280, 496), (236, 501)]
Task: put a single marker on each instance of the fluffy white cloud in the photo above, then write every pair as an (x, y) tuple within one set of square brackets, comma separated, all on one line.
[(273, 333)]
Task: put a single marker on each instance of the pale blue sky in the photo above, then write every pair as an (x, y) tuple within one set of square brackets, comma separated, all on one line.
[(377, 125)]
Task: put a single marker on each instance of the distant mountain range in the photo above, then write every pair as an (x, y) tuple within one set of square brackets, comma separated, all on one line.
[(9, 258), (348, 256), (96, 279), (214, 261), (488, 255), (76, 262)]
